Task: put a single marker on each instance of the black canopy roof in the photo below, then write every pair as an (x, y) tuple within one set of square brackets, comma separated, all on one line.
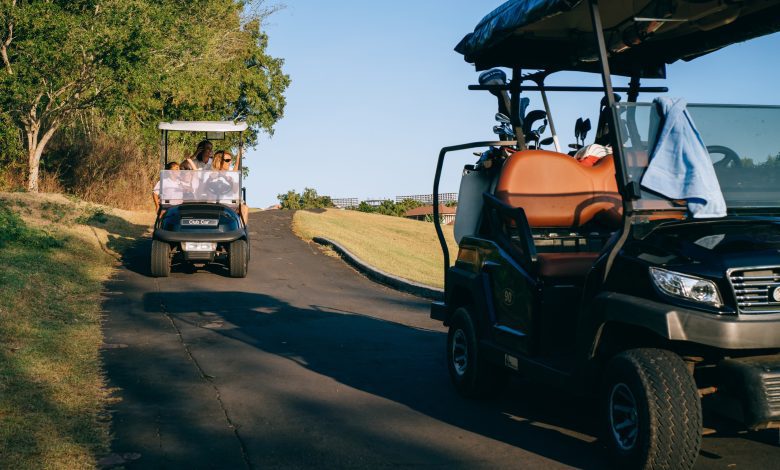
[(641, 35)]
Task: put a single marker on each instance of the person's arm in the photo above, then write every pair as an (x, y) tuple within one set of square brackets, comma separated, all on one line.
[(156, 196), (237, 164)]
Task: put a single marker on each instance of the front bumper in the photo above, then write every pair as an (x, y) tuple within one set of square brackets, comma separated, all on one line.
[(199, 255), (681, 324), (749, 390)]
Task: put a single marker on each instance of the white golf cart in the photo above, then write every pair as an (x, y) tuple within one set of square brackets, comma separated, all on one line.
[(199, 216)]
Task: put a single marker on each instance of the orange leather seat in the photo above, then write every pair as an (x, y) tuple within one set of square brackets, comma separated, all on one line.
[(555, 190)]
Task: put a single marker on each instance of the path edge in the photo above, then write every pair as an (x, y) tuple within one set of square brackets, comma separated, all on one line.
[(377, 275)]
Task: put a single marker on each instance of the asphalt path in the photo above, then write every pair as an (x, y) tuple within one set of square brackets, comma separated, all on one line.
[(306, 363)]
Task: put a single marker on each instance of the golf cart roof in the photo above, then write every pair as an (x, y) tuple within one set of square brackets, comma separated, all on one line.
[(203, 126), (641, 36)]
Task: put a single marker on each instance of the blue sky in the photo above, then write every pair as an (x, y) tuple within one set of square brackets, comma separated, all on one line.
[(377, 90)]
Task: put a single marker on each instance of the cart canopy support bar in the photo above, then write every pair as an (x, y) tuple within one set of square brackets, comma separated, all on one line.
[(454, 148), (646, 89)]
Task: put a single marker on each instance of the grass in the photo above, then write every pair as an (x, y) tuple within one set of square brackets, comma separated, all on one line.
[(55, 254), (406, 248)]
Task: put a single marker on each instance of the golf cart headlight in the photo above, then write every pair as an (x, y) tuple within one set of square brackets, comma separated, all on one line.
[(687, 287)]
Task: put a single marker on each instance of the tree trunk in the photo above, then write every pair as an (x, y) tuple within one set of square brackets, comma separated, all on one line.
[(35, 149)]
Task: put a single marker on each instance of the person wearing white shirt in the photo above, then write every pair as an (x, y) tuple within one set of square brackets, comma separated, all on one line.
[(200, 159)]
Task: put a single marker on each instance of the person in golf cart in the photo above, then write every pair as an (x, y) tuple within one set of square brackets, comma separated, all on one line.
[(173, 192), (200, 159), (223, 161)]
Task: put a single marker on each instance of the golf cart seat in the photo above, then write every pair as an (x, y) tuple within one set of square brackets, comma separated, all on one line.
[(558, 194), (555, 191)]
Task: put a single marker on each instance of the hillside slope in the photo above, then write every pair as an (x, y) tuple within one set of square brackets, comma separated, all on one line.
[(55, 254), (403, 247)]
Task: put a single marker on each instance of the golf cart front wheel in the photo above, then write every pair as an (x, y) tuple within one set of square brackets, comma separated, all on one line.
[(161, 259), (652, 411), (238, 258)]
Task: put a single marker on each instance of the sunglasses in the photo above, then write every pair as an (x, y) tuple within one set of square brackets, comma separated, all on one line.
[(226, 160)]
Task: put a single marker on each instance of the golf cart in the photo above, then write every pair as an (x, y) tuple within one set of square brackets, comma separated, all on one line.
[(580, 277), (198, 220)]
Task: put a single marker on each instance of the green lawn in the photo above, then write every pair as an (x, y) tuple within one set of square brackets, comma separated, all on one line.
[(406, 248), (55, 254)]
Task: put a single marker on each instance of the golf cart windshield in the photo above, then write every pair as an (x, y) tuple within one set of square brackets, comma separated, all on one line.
[(741, 139), (180, 186)]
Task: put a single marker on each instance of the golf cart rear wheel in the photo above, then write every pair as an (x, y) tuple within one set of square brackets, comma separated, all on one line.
[(238, 258), (652, 411), (161, 259), (472, 375)]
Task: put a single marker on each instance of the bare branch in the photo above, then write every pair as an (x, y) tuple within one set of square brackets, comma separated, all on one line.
[(7, 42), (32, 115)]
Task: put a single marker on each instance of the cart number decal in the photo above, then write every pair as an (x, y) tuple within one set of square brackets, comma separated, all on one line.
[(509, 297), (200, 222)]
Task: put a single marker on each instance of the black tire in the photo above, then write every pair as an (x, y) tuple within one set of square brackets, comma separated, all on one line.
[(238, 258), (472, 375), (662, 429), (161, 259)]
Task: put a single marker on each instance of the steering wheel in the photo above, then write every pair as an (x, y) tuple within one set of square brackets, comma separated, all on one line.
[(218, 187), (730, 158)]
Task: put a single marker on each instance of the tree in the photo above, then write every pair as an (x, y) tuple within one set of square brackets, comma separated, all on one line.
[(136, 62), (291, 200), (60, 57), (406, 205), (388, 207), (308, 200), (365, 207), (311, 200)]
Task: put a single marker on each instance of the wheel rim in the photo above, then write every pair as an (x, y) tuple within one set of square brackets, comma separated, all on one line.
[(460, 352), (623, 416)]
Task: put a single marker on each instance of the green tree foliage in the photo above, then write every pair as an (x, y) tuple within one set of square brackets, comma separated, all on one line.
[(124, 65), (292, 200), (365, 207), (387, 207)]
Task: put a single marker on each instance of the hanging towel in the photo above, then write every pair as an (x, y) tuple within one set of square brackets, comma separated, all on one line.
[(680, 166)]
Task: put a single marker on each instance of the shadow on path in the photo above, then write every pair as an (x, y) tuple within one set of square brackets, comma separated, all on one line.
[(386, 359)]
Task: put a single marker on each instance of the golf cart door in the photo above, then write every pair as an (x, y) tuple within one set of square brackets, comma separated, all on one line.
[(508, 270)]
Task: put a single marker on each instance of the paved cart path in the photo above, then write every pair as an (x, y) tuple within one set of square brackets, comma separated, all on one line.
[(306, 363)]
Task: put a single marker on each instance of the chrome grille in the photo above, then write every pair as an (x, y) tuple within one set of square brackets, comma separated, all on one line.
[(753, 289), (772, 388)]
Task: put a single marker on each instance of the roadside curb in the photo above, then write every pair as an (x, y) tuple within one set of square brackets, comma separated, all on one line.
[(397, 283)]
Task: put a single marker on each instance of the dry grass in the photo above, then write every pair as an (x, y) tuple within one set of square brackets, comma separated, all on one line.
[(118, 171), (406, 248), (15, 180), (114, 170), (53, 398)]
